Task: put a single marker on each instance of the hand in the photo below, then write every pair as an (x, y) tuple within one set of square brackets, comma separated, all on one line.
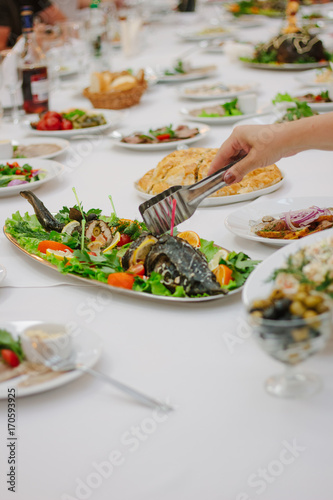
[(263, 145)]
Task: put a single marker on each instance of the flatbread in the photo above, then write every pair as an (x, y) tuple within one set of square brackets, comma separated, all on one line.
[(187, 166)]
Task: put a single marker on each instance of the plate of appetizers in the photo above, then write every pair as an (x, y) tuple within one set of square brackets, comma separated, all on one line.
[(27, 348), (159, 136), (318, 100), (39, 148), (216, 89), (16, 175), (184, 72), (304, 261), (123, 257), (206, 33), (187, 166), (220, 113), (281, 222), (316, 78), (73, 122)]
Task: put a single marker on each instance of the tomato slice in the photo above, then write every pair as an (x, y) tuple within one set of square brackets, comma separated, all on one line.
[(10, 357), (121, 280), (52, 245), (137, 269), (124, 239), (163, 137)]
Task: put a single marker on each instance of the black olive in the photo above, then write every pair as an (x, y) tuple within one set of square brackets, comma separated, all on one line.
[(282, 306), (91, 217), (270, 313)]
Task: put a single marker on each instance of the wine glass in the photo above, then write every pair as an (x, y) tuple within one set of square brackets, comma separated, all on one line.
[(11, 78), (291, 342), (75, 44)]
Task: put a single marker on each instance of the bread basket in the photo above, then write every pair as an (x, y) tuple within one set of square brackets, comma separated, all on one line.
[(116, 99)]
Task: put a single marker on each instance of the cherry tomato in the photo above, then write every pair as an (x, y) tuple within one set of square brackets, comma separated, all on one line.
[(163, 137), (18, 172), (137, 269), (52, 245), (10, 357), (41, 125), (124, 239), (52, 123), (53, 114), (121, 280), (66, 124)]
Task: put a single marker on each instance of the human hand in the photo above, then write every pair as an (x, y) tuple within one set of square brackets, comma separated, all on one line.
[(262, 145)]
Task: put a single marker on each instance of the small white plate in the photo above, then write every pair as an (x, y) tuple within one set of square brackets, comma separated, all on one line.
[(198, 35), (321, 107), (309, 79), (197, 73), (86, 345), (250, 88), (238, 222), (257, 284), (3, 273), (112, 118), (62, 143), (285, 66), (221, 120), (117, 135), (52, 168), (225, 200)]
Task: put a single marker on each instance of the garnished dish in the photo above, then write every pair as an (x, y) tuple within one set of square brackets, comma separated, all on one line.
[(185, 167), (223, 113), (206, 33), (317, 101), (184, 71), (295, 224), (162, 135), (216, 90), (293, 108), (68, 120), (26, 348), (121, 254), (13, 174), (41, 148), (230, 108), (158, 136), (269, 8), (316, 78)]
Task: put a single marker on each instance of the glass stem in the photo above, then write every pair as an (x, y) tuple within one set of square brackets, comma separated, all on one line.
[(15, 111), (290, 372)]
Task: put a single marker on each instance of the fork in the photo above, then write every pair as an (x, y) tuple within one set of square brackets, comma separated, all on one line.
[(157, 211), (57, 363)]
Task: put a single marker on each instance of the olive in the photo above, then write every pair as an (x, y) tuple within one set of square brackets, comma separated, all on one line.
[(256, 314), (261, 304), (276, 294), (282, 306), (321, 308), (304, 287), (270, 313), (297, 308), (310, 313), (313, 301), (300, 296)]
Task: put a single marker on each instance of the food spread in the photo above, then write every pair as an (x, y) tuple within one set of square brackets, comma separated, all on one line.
[(68, 120), (12, 174), (162, 134)]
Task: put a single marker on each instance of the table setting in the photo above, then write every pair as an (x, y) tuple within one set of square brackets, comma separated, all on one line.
[(147, 308)]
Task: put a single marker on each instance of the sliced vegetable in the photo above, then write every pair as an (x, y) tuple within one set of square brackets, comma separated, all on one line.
[(121, 280), (10, 358), (52, 245)]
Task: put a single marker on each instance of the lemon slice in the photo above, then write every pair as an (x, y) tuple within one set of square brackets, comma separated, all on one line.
[(191, 237), (113, 243), (70, 227), (60, 254), (141, 252), (221, 254)]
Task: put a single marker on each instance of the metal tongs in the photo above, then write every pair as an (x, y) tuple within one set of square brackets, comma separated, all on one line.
[(157, 212)]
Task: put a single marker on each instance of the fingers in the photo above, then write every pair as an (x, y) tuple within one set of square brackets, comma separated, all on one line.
[(228, 152), (243, 167)]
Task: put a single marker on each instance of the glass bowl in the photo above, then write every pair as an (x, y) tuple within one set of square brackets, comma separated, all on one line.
[(291, 342)]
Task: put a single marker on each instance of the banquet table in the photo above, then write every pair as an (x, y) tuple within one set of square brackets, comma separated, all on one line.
[(226, 438)]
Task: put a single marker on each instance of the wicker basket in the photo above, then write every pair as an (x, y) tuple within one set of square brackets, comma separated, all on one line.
[(116, 99)]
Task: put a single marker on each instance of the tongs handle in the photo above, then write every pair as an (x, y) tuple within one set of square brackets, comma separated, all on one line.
[(210, 184)]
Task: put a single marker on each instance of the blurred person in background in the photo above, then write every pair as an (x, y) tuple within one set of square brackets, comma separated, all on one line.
[(10, 18)]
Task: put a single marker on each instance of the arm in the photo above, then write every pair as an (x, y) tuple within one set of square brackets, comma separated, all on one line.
[(4, 35), (266, 144), (51, 15)]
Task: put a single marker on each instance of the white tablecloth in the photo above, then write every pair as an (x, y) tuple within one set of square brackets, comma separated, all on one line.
[(227, 438)]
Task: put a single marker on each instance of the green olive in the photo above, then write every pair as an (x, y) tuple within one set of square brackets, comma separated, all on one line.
[(261, 304), (304, 287), (321, 308), (313, 301), (297, 308), (276, 295), (310, 313), (300, 296)]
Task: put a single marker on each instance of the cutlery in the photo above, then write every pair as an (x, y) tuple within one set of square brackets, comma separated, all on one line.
[(57, 363), (157, 211), (200, 46)]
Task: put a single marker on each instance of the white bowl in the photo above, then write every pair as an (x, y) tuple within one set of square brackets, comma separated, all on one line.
[(6, 149), (41, 342)]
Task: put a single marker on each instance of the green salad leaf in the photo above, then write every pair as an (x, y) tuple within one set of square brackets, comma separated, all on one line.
[(8, 342)]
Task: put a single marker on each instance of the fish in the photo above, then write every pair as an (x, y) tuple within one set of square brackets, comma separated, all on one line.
[(176, 261), (45, 218)]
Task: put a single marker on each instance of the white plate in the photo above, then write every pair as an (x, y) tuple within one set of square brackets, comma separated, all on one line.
[(112, 118), (264, 119), (285, 66), (62, 143), (221, 120), (309, 79), (53, 169), (116, 135), (251, 88), (238, 222), (197, 35), (225, 200), (257, 285), (196, 74), (321, 107), (2, 273), (85, 343)]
